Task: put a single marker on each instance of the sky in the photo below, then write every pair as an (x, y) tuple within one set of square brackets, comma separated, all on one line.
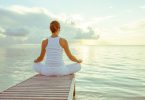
[(92, 22)]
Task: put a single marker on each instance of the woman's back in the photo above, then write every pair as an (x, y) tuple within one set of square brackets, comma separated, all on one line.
[(54, 52), (53, 48)]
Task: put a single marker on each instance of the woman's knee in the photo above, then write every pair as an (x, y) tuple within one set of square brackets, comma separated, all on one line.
[(37, 67), (78, 65), (73, 68), (75, 64)]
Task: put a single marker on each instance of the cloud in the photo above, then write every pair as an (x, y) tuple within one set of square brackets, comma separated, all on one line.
[(138, 27), (20, 32), (83, 28), (14, 32), (25, 10), (110, 7), (12, 18), (13, 36), (1, 33), (142, 7), (90, 34), (20, 20), (134, 32), (25, 25), (1, 30), (22, 24)]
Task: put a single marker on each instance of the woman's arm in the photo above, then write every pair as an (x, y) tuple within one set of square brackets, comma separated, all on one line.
[(43, 51), (65, 45)]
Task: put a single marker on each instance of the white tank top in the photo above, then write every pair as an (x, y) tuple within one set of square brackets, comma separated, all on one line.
[(54, 53)]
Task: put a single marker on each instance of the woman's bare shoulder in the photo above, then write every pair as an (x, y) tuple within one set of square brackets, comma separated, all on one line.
[(63, 39), (63, 42), (44, 42)]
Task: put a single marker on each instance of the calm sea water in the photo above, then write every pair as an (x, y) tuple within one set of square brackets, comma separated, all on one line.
[(108, 72)]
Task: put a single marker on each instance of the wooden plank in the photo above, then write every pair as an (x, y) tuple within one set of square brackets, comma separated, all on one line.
[(71, 92), (41, 87)]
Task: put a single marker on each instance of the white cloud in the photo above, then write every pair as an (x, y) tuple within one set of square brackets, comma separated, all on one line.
[(134, 32), (1, 33), (86, 28), (137, 27), (142, 7), (18, 21), (2, 30), (21, 20), (27, 10)]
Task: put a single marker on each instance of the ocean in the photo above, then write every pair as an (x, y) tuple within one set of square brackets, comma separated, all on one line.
[(108, 72)]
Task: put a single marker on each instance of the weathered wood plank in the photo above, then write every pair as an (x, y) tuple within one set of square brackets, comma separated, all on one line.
[(41, 87)]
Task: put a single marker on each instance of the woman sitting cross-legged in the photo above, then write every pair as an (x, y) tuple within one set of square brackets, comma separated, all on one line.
[(53, 48)]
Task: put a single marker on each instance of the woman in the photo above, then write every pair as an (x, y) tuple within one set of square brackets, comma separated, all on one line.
[(53, 47)]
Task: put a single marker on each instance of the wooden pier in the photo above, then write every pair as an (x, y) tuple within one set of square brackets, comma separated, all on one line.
[(40, 87)]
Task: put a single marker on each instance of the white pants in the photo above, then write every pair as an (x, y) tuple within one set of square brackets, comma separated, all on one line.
[(61, 70)]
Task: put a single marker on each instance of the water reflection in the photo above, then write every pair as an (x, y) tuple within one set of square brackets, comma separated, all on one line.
[(108, 72)]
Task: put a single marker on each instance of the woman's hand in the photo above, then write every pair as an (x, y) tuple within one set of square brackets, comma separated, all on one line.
[(36, 61), (79, 61)]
